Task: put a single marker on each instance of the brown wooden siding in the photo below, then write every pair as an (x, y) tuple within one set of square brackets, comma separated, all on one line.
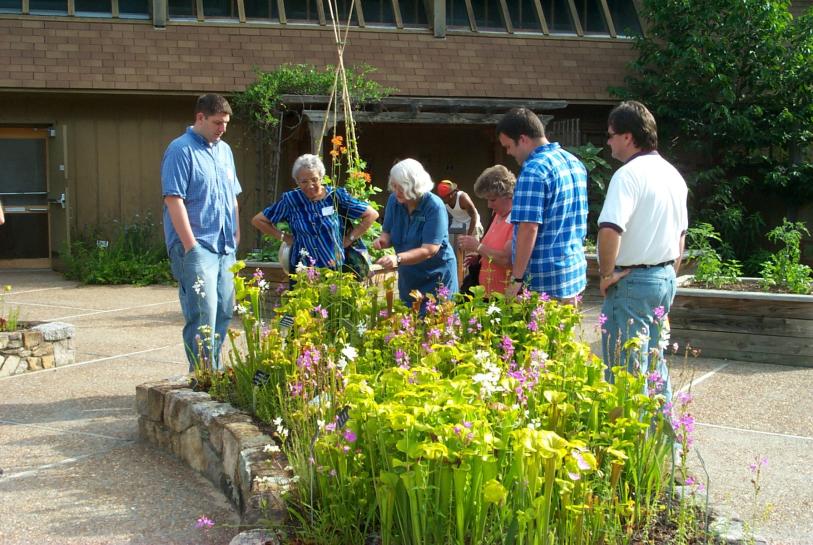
[(115, 146)]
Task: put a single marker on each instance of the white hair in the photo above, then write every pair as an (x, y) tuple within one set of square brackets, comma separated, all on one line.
[(308, 162), (411, 177)]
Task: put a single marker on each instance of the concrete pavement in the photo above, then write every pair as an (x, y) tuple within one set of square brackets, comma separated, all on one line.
[(74, 474)]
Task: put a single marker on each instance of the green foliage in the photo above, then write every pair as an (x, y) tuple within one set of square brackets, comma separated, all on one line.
[(731, 86), (783, 268), (260, 102), (712, 269), (9, 316), (135, 254), (599, 172), (482, 422)]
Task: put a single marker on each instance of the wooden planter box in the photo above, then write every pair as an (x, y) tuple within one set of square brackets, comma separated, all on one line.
[(746, 326)]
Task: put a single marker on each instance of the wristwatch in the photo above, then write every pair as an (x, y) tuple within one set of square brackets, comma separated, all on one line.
[(352, 237), (397, 259), (518, 280)]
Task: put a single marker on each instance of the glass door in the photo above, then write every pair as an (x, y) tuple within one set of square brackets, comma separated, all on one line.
[(24, 238)]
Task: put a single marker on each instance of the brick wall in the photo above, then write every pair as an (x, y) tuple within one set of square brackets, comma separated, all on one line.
[(110, 55)]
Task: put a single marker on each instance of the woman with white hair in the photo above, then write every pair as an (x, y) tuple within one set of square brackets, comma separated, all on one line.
[(316, 214), (417, 226)]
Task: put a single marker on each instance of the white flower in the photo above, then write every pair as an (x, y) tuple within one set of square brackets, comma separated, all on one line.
[(362, 328), (240, 310), (270, 448), (320, 423), (350, 352), (303, 252), (278, 421), (301, 267), (493, 309), (198, 287)]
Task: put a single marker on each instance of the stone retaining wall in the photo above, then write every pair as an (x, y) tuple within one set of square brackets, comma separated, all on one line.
[(218, 441), (41, 346)]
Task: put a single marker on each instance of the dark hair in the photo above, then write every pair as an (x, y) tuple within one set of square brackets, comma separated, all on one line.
[(519, 121), (496, 181), (633, 117), (212, 104)]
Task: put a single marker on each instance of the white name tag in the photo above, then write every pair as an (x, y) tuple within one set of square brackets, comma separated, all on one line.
[(327, 211)]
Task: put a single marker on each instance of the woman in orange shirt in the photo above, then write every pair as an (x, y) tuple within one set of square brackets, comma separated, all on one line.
[(495, 185)]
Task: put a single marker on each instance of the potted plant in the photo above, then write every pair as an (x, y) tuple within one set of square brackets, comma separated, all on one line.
[(726, 315)]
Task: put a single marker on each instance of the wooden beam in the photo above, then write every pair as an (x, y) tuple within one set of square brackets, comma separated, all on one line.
[(199, 10), (608, 17), (540, 13), (439, 18), (506, 16), (114, 8), (320, 9), (428, 103), (316, 117), (470, 13), (71, 8), (281, 12), (359, 13), (574, 14), (396, 10), (241, 11), (25, 7)]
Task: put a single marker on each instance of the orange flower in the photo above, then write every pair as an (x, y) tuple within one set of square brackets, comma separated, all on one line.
[(367, 177), (343, 150), (336, 141), (334, 153)]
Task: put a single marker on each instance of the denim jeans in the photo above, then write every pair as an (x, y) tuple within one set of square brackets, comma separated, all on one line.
[(206, 291), (630, 310)]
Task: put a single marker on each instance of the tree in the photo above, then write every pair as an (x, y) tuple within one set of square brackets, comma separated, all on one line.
[(731, 85)]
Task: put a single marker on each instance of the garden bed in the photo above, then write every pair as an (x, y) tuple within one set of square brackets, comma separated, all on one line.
[(744, 325), (36, 346)]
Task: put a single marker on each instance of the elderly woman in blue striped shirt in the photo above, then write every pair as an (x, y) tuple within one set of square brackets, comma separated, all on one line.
[(315, 213)]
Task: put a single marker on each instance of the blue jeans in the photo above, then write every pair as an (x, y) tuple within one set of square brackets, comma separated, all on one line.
[(206, 291), (630, 310)]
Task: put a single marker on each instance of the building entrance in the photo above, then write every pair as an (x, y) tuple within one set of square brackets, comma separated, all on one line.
[(25, 237)]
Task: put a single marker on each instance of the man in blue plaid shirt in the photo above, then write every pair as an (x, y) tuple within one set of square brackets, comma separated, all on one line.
[(549, 210)]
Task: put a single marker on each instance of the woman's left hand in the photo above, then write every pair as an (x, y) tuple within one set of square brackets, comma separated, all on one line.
[(388, 261), (347, 241), (468, 243)]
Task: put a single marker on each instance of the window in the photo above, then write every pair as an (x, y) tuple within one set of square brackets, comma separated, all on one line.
[(625, 18), (456, 14), (413, 13), (134, 8), (220, 9), (261, 9), (93, 8), (591, 16), (301, 10), (557, 14), (487, 15), (11, 6), (181, 8), (378, 12), (342, 10), (523, 15), (48, 7)]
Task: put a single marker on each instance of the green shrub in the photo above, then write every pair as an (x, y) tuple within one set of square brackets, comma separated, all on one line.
[(135, 254), (783, 268), (712, 269)]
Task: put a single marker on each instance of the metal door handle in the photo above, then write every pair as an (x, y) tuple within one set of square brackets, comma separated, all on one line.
[(60, 201)]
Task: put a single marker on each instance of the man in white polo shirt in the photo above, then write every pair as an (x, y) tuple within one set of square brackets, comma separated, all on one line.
[(642, 229)]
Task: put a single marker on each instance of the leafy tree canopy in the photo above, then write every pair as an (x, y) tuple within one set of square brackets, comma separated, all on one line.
[(730, 83)]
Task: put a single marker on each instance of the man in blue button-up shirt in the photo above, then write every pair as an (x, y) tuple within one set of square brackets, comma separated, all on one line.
[(201, 227), (549, 210)]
